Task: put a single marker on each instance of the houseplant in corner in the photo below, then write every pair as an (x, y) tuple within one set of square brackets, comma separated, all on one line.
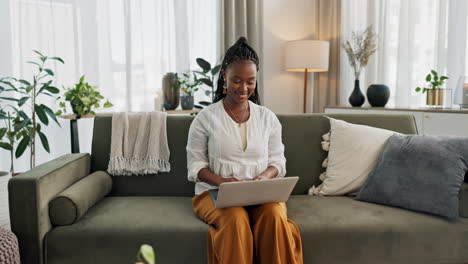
[(83, 98), (24, 119), (7, 135), (435, 94), (188, 87), (359, 49)]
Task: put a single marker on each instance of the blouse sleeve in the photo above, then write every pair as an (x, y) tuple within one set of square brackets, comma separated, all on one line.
[(197, 148), (276, 147)]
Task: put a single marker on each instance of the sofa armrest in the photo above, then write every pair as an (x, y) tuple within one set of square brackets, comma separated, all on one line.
[(463, 199), (29, 195)]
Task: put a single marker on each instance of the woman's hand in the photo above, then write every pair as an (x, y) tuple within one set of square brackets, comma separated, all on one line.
[(262, 176), (270, 173), (231, 179)]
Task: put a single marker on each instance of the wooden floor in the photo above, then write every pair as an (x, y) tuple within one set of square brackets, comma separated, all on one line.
[(4, 213)]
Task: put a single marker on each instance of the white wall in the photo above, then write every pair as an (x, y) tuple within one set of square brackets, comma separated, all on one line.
[(285, 21)]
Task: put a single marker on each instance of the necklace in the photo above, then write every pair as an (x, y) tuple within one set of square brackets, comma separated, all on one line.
[(229, 109)]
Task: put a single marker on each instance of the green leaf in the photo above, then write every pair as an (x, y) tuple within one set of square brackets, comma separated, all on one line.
[(58, 113), (52, 89), (49, 71), (6, 146), (443, 78), (434, 73), (22, 146), (41, 114), (3, 132), (205, 103), (424, 90), (58, 59), (9, 99), (44, 141), (147, 253), (23, 100), (428, 78), (206, 66), (50, 113), (10, 84), (62, 104), (43, 58), (21, 125), (40, 54), (23, 115), (82, 79), (108, 104), (215, 70), (25, 82), (207, 82), (35, 63), (418, 89)]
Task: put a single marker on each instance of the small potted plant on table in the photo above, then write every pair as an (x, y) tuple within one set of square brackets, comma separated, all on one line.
[(435, 94)]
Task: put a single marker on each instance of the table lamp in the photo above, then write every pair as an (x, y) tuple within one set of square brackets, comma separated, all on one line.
[(307, 56)]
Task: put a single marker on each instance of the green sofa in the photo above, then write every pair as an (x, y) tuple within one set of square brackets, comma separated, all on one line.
[(157, 209)]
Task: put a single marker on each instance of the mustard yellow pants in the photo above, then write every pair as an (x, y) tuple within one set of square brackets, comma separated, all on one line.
[(250, 234)]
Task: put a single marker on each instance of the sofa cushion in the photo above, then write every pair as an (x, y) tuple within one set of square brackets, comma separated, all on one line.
[(333, 230), (71, 204), (421, 173), (353, 152), (342, 230), (113, 230)]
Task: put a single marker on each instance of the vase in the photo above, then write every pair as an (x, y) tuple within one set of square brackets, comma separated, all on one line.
[(356, 98), (187, 102), (378, 95), (171, 91), (435, 97)]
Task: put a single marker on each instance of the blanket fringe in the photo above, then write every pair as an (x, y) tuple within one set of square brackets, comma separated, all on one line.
[(122, 166)]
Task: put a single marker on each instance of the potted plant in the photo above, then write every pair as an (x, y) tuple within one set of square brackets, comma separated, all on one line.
[(83, 98), (359, 49), (24, 124), (7, 135), (435, 94), (146, 255), (207, 77), (188, 87)]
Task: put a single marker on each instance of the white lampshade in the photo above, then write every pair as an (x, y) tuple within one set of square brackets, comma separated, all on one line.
[(307, 54)]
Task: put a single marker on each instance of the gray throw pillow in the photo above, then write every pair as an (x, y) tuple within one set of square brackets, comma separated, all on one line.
[(421, 173)]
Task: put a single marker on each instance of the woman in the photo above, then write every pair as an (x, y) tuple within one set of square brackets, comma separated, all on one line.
[(234, 139)]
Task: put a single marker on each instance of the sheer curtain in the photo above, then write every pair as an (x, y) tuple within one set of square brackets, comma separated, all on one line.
[(122, 46), (413, 38)]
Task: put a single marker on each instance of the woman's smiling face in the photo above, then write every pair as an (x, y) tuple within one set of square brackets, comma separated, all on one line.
[(240, 78)]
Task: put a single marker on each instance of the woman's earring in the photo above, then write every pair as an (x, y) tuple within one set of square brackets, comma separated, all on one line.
[(225, 88)]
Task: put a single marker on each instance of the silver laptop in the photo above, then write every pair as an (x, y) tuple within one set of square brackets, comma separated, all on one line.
[(255, 192)]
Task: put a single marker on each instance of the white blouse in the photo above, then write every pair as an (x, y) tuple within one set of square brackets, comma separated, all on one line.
[(215, 142)]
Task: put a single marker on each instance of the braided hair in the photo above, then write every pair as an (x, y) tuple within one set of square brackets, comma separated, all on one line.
[(241, 50)]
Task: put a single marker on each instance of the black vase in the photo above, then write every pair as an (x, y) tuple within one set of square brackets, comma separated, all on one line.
[(378, 95), (356, 98)]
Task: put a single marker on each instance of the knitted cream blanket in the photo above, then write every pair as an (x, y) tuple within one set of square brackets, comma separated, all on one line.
[(139, 144)]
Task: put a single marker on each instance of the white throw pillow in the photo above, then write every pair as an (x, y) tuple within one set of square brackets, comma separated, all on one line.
[(353, 151)]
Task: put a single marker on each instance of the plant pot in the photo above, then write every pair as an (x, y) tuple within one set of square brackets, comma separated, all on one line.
[(187, 102), (73, 107), (170, 91), (378, 95), (435, 97), (356, 98)]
